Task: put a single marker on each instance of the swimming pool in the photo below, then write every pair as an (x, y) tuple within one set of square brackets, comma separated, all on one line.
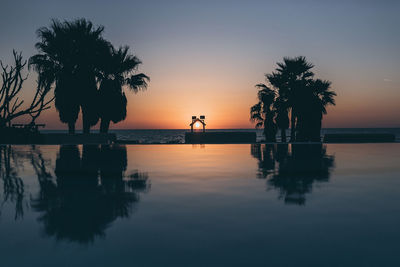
[(200, 205)]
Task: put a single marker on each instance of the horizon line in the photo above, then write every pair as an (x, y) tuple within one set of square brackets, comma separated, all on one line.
[(129, 129)]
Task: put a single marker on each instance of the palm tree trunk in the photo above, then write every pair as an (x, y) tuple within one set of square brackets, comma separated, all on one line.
[(269, 128), (316, 135), (292, 127), (283, 135), (71, 127), (85, 119), (104, 125), (85, 123), (86, 128)]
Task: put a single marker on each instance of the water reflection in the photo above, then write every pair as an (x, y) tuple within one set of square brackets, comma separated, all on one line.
[(11, 161), (293, 169), (91, 191)]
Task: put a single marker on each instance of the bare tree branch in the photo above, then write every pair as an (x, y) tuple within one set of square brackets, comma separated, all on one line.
[(11, 87)]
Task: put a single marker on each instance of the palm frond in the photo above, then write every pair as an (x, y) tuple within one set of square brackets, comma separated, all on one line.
[(137, 82)]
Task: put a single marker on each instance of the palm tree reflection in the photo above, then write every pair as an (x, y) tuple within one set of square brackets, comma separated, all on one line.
[(293, 169), (13, 185), (90, 192)]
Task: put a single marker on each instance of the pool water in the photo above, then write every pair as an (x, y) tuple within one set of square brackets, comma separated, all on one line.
[(200, 205)]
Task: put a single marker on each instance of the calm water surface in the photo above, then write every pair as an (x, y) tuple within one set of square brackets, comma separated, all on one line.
[(201, 205), (178, 135)]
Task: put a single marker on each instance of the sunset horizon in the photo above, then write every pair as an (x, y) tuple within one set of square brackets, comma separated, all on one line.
[(199, 133), (211, 67)]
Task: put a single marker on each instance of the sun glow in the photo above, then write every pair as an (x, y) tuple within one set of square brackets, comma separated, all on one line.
[(197, 125)]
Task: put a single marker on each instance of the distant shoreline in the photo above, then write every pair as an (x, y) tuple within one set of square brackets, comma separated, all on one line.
[(231, 137), (177, 136)]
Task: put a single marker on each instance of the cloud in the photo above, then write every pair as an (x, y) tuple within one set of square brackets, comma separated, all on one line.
[(387, 80)]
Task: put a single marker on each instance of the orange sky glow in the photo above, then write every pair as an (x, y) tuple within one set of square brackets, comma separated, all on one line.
[(204, 58)]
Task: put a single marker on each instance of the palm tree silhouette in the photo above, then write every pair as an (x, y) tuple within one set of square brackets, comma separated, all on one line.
[(299, 95), (289, 79), (311, 107), (262, 112), (118, 70), (282, 117), (69, 57)]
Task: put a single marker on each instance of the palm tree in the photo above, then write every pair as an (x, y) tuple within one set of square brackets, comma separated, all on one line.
[(322, 89), (69, 57), (282, 116), (299, 96), (312, 107), (118, 71), (290, 78), (262, 112)]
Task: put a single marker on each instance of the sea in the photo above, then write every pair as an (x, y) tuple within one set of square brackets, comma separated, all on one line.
[(164, 136)]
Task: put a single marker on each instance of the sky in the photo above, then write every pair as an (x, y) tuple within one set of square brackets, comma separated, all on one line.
[(205, 57)]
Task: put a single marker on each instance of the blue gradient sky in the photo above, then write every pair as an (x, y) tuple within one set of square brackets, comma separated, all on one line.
[(204, 57)]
